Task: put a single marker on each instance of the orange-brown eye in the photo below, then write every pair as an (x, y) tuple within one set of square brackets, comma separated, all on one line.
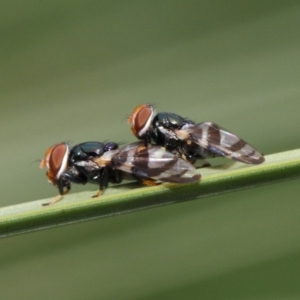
[(58, 159), (141, 119)]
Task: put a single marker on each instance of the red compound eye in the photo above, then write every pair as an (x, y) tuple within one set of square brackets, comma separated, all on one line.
[(56, 160), (140, 119)]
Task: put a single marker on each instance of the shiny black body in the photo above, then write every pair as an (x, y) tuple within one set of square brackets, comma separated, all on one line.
[(82, 168), (162, 132), (168, 122), (89, 150)]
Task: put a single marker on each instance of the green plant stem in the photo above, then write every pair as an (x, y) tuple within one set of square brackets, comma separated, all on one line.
[(32, 216)]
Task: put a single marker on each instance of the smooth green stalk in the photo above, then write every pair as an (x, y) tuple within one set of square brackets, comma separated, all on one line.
[(79, 207)]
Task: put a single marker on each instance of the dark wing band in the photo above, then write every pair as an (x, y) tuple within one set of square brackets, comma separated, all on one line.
[(154, 162), (224, 143)]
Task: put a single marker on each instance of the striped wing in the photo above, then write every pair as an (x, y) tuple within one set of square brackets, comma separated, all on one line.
[(154, 162), (221, 142)]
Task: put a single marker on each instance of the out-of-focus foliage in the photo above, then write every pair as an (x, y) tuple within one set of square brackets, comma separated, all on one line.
[(73, 70)]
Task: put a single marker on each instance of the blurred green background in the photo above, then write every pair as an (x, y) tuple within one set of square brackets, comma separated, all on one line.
[(74, 70)]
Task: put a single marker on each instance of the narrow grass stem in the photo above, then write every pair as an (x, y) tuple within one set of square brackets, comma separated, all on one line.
[(32, 216)]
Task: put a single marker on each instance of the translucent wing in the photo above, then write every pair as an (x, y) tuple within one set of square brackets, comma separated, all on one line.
[(221, 142), (154, 162)]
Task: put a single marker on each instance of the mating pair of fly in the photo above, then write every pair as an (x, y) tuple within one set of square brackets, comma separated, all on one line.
[(168, 148)]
